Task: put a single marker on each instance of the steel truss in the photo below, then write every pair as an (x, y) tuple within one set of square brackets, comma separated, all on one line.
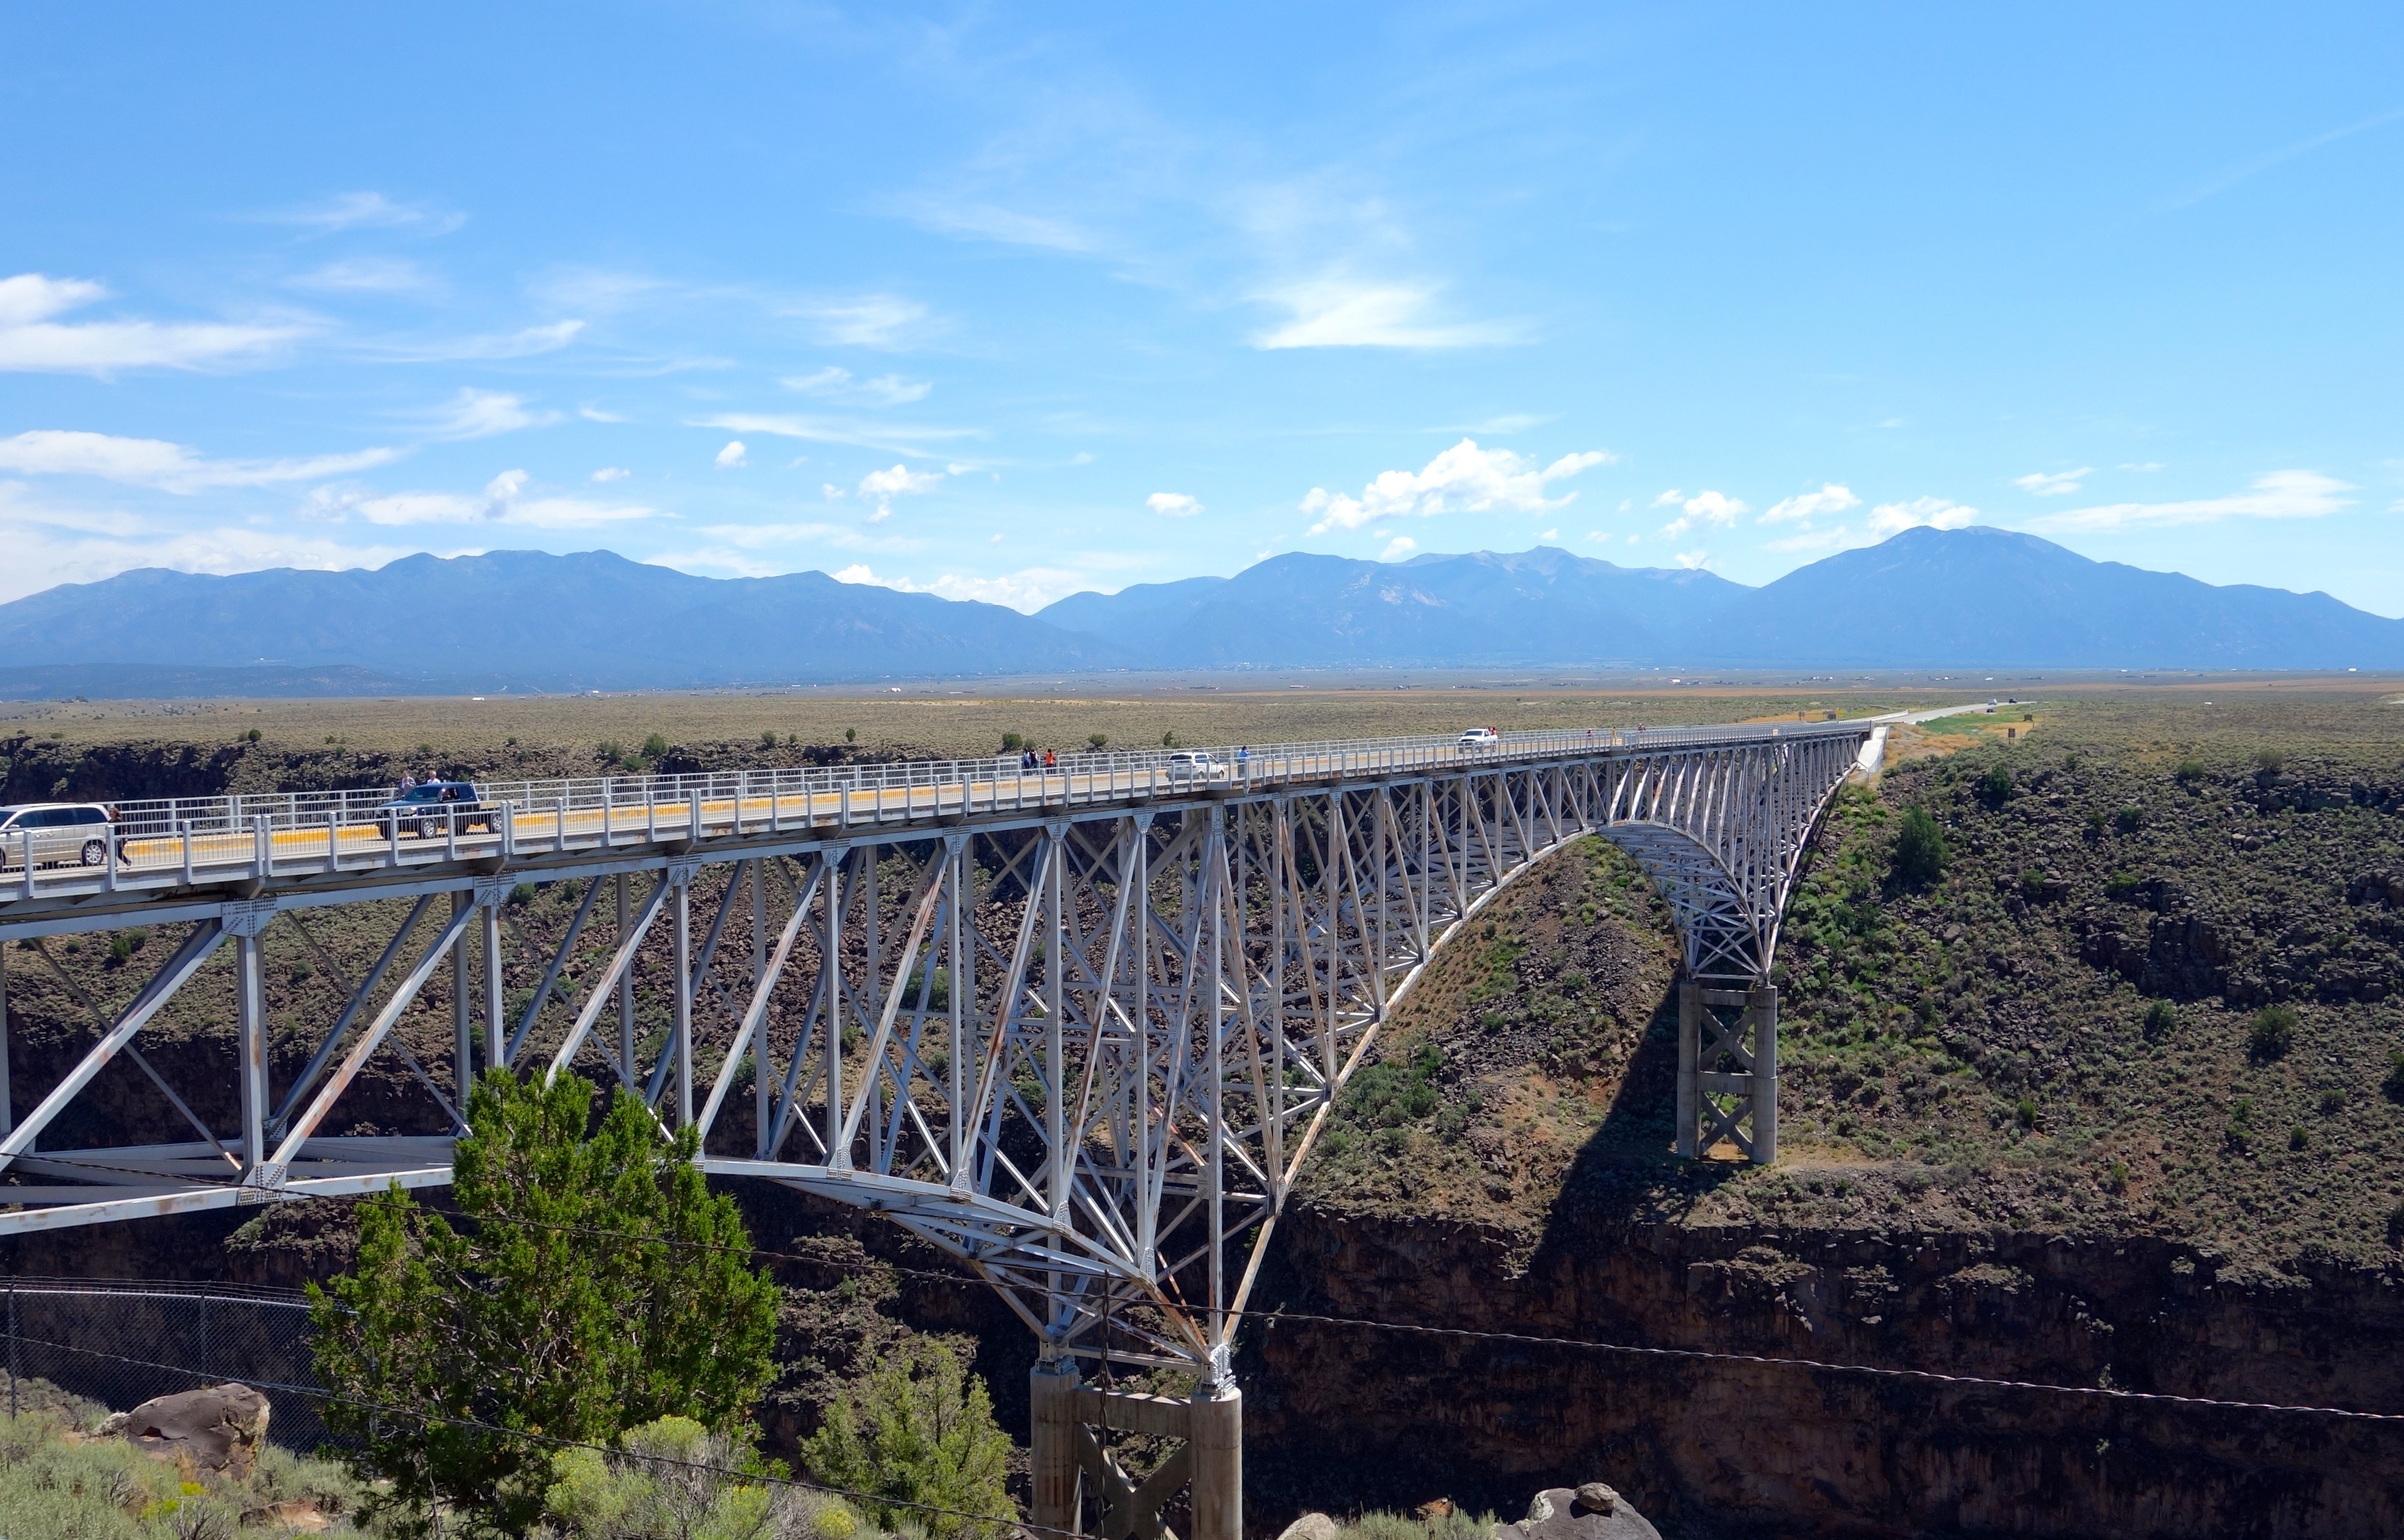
[(1085, 1046)]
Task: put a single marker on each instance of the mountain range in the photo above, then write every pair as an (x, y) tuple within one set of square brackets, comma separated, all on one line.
[(1964, 598)]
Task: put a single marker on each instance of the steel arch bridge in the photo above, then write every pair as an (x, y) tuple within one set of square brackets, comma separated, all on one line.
[(1079, 1026)]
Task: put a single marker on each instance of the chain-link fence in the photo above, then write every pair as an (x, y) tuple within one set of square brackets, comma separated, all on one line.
[(122, 1343)]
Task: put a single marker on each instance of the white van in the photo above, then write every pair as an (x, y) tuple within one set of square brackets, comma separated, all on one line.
[(61, 833)]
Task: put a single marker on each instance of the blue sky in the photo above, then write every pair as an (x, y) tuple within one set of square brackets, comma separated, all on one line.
[(1005, 303)]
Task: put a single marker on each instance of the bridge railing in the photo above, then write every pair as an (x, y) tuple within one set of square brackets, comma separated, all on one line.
[(158, 842)]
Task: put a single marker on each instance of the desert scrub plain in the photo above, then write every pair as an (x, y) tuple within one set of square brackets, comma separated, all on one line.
[(299, 739), (2156, 985)]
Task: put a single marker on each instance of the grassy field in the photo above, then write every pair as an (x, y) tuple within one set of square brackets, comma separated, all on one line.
[(2158, 986)]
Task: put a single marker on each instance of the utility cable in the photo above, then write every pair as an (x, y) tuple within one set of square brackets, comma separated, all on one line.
[(875, 1268)]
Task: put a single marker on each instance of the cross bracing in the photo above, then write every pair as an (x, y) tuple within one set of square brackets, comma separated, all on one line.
[(1079, 1028)]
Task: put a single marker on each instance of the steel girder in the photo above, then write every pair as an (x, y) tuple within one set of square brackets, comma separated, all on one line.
[(1086, 1050)]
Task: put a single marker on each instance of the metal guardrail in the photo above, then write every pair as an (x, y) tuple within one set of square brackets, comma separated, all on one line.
[(184, 841)]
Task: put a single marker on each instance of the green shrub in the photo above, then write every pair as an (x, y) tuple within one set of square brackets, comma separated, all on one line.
[(673, 1479), (767, 737), (851, 734), (2162, 1018), (1920, 851), (1098, 741), (2394, 1084), (2031, 883), (2025, 1111), (2122, 887), (612, 752), (2189, 771), (1995, 786), (2129, 819), (2271, 1034), (2270, 761), (2299, 1136), (654, 746), (1394, 1091), (1011, 743), (920, 1434)]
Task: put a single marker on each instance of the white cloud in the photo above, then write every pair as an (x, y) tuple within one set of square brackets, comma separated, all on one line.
[(1025, 590), (837, 384), (1173, 505), (367, 210), (882, 486), (1397, 548), (883, 321), (367, 275), (731, 456), (1333, 312), (482, 413), (2280, 494), (1704, 507), (2052, 483), (31, 342), (1804, 506), (503, 501), (885, 437), (169, 467), (1935, 512), (1693, 561), (612, 474), (1462, 479), (49, 546), (594, 414), (1670, 498)]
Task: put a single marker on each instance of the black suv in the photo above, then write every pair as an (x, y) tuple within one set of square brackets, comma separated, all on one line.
[(431, 811)]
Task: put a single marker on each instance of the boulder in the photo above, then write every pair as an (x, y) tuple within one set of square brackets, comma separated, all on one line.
[(220, 1429), (1310, 1526), (1590, 1512)]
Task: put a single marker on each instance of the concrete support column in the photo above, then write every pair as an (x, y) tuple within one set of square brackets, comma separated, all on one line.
[(250, 1022), (1052, 1448), (1761, 1006), (1217, 1442), (1690, 1049)]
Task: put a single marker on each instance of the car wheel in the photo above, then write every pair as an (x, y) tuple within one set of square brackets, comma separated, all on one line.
[(425, 828), (94, 852)]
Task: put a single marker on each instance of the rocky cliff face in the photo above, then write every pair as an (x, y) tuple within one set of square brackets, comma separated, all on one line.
[(1376, 1417)]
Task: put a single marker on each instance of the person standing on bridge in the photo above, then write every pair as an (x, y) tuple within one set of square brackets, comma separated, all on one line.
[(1049, 762)]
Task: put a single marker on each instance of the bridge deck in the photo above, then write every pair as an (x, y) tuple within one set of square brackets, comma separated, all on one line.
[(162, 849)]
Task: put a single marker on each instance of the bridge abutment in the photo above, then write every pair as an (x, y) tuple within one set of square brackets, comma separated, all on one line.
[(1079, 1486), (1727, 1070)]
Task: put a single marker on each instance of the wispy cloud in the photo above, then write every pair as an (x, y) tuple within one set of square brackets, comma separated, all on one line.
[(837, 384), (1336, 312), (503, 501), (367, 211), (1398, 548), (610, 473), (32, 343), (1173, 505), (2054, 483), (368, 275), (2280, 494), (483, 414), (886, 322), (992, 222), (168, 467), (731, 455), (1463, 479), (2229, 176), (862, 433), (1706, 508), (1025, 590), (526, 342)]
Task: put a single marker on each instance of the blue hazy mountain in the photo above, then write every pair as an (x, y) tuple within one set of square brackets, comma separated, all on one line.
[(534, 620), (1484, 609), (1927, 598), (1984, 598)]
